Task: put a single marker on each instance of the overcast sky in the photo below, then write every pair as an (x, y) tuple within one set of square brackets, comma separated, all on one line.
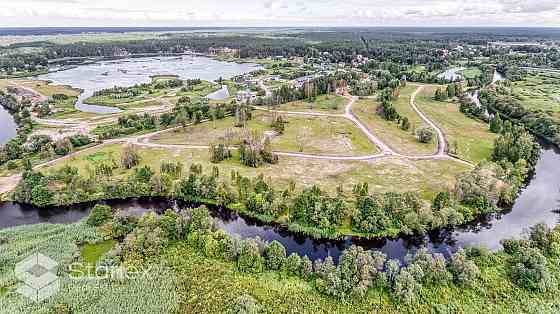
[(18, 13)]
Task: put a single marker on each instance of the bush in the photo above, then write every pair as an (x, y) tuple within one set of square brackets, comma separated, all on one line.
[(425, 135), (245, 304), (530, 271), (122, 224), (275, 255), (99, 215), (406, 287), (306, 267), (293, 264), (63, 147), (168, 223), (465, 272), (130, 157), (250, 259)]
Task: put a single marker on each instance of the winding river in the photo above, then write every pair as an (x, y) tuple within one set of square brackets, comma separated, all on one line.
[(537, 202)]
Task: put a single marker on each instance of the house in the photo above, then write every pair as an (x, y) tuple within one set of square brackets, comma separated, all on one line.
[(246, 96)]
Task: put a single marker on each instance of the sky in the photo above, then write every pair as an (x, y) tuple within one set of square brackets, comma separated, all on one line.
[(35, 13)]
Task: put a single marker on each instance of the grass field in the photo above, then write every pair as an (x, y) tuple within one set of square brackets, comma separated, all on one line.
[(427, 177), (401, 141), (199, 276), (540, 91), (471, 73), (473, 141), (43, 87), (323, 103), (316, 135)]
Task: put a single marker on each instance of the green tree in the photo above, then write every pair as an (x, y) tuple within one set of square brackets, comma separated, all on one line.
[(99, 215), (275, 255), (496, 124)]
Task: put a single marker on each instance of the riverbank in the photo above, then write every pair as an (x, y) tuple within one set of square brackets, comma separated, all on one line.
[(199, 263)]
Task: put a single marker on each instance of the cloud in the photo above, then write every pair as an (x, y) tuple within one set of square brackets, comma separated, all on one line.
[(529, 6), (279, 13), (52, 1)]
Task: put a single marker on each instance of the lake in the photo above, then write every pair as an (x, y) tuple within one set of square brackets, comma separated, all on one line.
[(131, 71)]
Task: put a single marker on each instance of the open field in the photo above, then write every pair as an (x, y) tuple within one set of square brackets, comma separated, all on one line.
[(278, 293), (323, 103), (186, 277), (471, 73), (473, 141), (540, 91), (316, 135), (427, 177), (403, 142)]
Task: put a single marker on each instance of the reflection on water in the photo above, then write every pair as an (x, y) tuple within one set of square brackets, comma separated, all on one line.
[(536, 204), (128, 72), (7, 126)]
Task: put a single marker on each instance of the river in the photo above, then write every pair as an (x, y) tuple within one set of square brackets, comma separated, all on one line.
[(128, 72), (537, 203), (8, 129)]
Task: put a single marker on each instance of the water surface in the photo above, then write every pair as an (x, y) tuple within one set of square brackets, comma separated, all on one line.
[(128, 72), (537, 203), (8, 127)]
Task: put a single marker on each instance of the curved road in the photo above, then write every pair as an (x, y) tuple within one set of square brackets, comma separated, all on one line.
[(8, 183)]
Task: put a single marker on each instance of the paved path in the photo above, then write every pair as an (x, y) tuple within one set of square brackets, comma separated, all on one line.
[(441, 138), (9, 183)]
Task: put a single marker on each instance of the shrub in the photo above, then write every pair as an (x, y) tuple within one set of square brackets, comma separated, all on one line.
[(250, 259), (200, 220), (146, 240), (306, 267), (275, 255), (41, 196), (425, 135), (465, 272), (122, 224), (245, 304), (63, 147), (406, 287), (130, 157), (144, 174), (99, 215), (530, 271), (293, 264), (168, 223)]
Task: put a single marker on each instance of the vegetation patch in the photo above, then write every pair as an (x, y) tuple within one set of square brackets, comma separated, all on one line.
[(467, 138), (323, 103)]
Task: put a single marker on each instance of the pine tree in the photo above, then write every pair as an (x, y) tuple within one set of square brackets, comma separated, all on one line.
[(496, 124)]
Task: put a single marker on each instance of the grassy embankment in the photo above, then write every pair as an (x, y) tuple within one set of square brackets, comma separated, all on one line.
[(468, 139), (401, 141), (323, 103), (188, 282), (539, 91)]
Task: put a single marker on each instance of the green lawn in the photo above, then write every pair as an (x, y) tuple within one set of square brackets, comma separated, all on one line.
[(426, 177), (540, 91), (91, 253), (323, 103), (471, 73), (472, 139), (316, 135), (404, 142)]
